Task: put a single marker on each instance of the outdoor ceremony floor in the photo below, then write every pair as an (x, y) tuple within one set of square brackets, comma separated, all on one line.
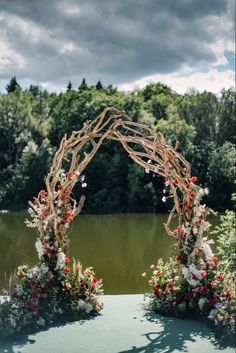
[(123, 327)]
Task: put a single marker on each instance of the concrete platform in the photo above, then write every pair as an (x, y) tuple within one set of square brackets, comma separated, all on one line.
[(122, 327)]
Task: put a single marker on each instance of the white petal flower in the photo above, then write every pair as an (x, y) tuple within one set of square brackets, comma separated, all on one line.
[(60, 261), (40, 248)]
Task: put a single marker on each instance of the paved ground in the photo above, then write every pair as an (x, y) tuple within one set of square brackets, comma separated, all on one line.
[(123, 327)]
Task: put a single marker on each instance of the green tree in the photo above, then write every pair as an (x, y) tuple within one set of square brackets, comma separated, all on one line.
[(176, 129), (69, 86), (83, 85), (227, 121), (99, 85), (221, 175), (12, 85)]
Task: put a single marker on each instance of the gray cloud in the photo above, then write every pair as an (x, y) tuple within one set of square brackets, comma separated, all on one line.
[(116, 41)]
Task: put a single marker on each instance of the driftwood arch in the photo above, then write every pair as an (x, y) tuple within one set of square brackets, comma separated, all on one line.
[(54, 208)]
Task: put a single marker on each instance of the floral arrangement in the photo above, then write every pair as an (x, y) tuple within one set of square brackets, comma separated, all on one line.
[(193, 284), (58, 288), (41, 296)]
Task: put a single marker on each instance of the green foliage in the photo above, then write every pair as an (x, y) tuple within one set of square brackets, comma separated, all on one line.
[(226, 240), (32, 123), (176, 129)]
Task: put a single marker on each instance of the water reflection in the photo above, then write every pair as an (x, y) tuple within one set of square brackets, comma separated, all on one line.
[(119, 247)]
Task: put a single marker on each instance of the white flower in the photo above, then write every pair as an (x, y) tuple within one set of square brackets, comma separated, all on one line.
[(207, 251), (193, 282), (144, 274), (201, 303), (195, 271), (147, 171), (163, 199), (84, 306), (40, 248), (84, 185), (185, 271), (206, 191), (60, 261), (167, 183)]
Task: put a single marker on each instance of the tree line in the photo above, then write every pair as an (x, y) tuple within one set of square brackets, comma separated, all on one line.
[(33, 121)]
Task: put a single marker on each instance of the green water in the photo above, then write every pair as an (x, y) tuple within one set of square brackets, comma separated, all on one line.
[(119, 247)]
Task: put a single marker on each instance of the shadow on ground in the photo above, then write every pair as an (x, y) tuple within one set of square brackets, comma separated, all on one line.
[(22, 339), (177, 336)]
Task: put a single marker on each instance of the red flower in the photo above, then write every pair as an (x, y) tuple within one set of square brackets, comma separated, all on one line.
[(67, 259), (42, 194), (60, 187), (94, 282), (70, 175), (178, 258), (69, 216), (229, 299), (156, 288), (219, 278), (21, 276), (182, 235), (36, 201), (171, 167), (176, 230), (33, 283), (67, 269), (188, 296), (212, 302), (192, 195), (175, 181), (193, 179), (64, 220), (204, 290)]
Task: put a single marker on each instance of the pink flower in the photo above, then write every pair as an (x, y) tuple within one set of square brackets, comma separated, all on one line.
[(203, 273), (68, 285)]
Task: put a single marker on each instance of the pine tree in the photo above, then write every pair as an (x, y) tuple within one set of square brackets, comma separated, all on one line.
[(12, 85), (99, 85), (83, 85), (69, 86)]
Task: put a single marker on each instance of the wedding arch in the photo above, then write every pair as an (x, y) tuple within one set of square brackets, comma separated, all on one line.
[(147, 148), (57, 286)]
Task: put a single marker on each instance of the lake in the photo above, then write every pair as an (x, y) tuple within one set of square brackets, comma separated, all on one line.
[(119, 247)]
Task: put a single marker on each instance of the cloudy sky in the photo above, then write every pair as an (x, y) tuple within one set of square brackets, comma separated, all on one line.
[(183, 43)]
